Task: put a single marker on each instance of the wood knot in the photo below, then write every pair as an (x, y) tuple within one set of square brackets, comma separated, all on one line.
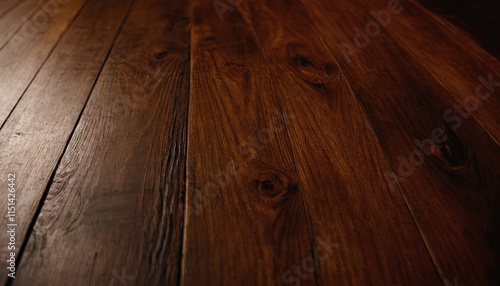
[(309, 66), (303, 61), (450, 154), (164, 50), (274, 188), (160, 55)]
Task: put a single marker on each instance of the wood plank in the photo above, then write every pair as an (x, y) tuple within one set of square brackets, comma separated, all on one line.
[(265, 221), (18, 16), (34, 137), (341, 164), (23, 57), (246, 223), (454, 59), (479, 18), (453, 191), (8, 5), (117, 190)]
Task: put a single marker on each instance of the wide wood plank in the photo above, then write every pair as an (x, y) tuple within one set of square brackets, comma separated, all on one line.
[(121, 179), (245, 218), (307, 206), (34, 137), (446, 165), (23, 57)]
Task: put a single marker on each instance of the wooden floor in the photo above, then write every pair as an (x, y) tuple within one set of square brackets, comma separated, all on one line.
[(248, 142)]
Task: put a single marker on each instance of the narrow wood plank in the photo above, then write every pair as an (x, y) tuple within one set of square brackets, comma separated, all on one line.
[(452, 191), (117, 190), (453, 58), (246, 222), (22, 57), (268, 219), (17, 17), (34, 137)]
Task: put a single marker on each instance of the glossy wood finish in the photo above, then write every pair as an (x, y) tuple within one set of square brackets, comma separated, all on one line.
[(264, 142)]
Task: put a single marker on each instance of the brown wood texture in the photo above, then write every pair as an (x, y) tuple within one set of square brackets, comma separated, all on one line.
[(25, 53), (258, 142), (452, 178), (19, 15), (35, 135), (8, 5), (307, 82), (242, 192), (480, 18), (439, 49), (123, 194)]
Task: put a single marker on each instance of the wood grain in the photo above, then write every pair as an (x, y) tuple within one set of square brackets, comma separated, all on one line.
[(245, 218), (338, 158), (479, 18), (23, 56), (270, 142), (452, 192), (34, 137), (121, 179), (335, 189), (452, 57), (19, 16)]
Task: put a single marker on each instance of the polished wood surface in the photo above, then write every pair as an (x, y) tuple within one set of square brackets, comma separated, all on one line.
[(265, 142)]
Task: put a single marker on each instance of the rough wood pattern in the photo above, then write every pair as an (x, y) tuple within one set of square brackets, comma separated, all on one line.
[(454, 174), (439, 57), (233, 142), (242, 194), (22, 57), (123, 193), (35, 136), (330, 185), (338, 158)]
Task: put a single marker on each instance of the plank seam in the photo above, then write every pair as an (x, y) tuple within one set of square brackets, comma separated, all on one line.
[(386, 158), (31, 227), (43, 64), (180, 278), (309, 225), (11, 7)]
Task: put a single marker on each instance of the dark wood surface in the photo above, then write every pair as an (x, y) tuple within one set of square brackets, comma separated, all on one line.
[(458, 180), (480, 18), (250, 142)]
